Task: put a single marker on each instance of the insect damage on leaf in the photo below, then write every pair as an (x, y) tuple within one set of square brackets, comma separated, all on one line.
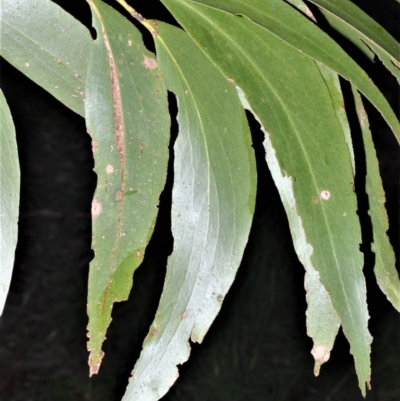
[(97, 208), (149, 63), (325, 194)]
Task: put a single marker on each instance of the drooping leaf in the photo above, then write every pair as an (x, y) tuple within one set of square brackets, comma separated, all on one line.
[(385, 270), (306, 153), (212, 208), (281, 20), (345, 17), (48, 45), (323, 323), (127, 115), (9, 198)]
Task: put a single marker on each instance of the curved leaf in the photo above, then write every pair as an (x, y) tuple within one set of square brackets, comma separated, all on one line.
[(385, 269), (212, 208), (48, 45), (281, 20), (127, 116), (306, 152), (9, 198), (362, 30)]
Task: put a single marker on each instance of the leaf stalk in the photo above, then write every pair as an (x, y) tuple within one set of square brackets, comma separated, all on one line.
[(137, 16)]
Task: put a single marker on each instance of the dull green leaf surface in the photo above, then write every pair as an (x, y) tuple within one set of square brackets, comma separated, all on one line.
[(127, 116), (9, 198), (212, 208), (323, 323), (283, 21), (385, 266), (306, 152), (48, 45), (345, 17)]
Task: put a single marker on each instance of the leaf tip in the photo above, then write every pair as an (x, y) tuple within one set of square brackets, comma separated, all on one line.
[(321, 355), (94, 363)]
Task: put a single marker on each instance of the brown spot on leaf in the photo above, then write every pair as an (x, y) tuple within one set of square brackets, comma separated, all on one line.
[(231, 80), (95, 146), (109, 169), (138, 254), (97, 208), (118, 196), (149, 63)]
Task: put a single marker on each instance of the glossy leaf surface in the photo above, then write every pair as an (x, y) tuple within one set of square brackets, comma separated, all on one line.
[(49, 46), (127, 116), (306, 153), (212, 208), (9, 198)]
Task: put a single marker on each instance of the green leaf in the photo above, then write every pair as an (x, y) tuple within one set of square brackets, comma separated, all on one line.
[(306, 152), (323, 323), (345, 17), (48, 45), (385, 270), (212, 208), (127, 115), (281, 20), (9, 198)]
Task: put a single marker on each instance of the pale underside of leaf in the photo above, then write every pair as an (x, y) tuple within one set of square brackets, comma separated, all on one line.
[(9, 199), (345, 17), (49, 46), (280, 19), (127, 116), (212, 208), (385, 269), (288, 95)]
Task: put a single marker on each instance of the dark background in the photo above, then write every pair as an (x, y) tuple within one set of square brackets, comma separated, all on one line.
[(256, 350)]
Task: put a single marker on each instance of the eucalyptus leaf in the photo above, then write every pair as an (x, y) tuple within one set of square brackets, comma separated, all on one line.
[(9, 198), (49, 46), (306, 152), (345, 17), (127, 116), (212, 209), (385, 265), (281, 20)]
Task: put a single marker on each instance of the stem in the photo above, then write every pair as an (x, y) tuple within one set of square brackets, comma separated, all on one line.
[(138, 17)]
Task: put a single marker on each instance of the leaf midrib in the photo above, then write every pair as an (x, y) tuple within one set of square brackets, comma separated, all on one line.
[(301, 144)]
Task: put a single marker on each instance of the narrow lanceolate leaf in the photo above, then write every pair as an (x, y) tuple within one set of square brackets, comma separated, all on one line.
[(281, 20), (323, 323), (335, 92), (48, 45), (212, 208), (362, 30), (9, 198), (385, 270), (127, 115), (306, 152)]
